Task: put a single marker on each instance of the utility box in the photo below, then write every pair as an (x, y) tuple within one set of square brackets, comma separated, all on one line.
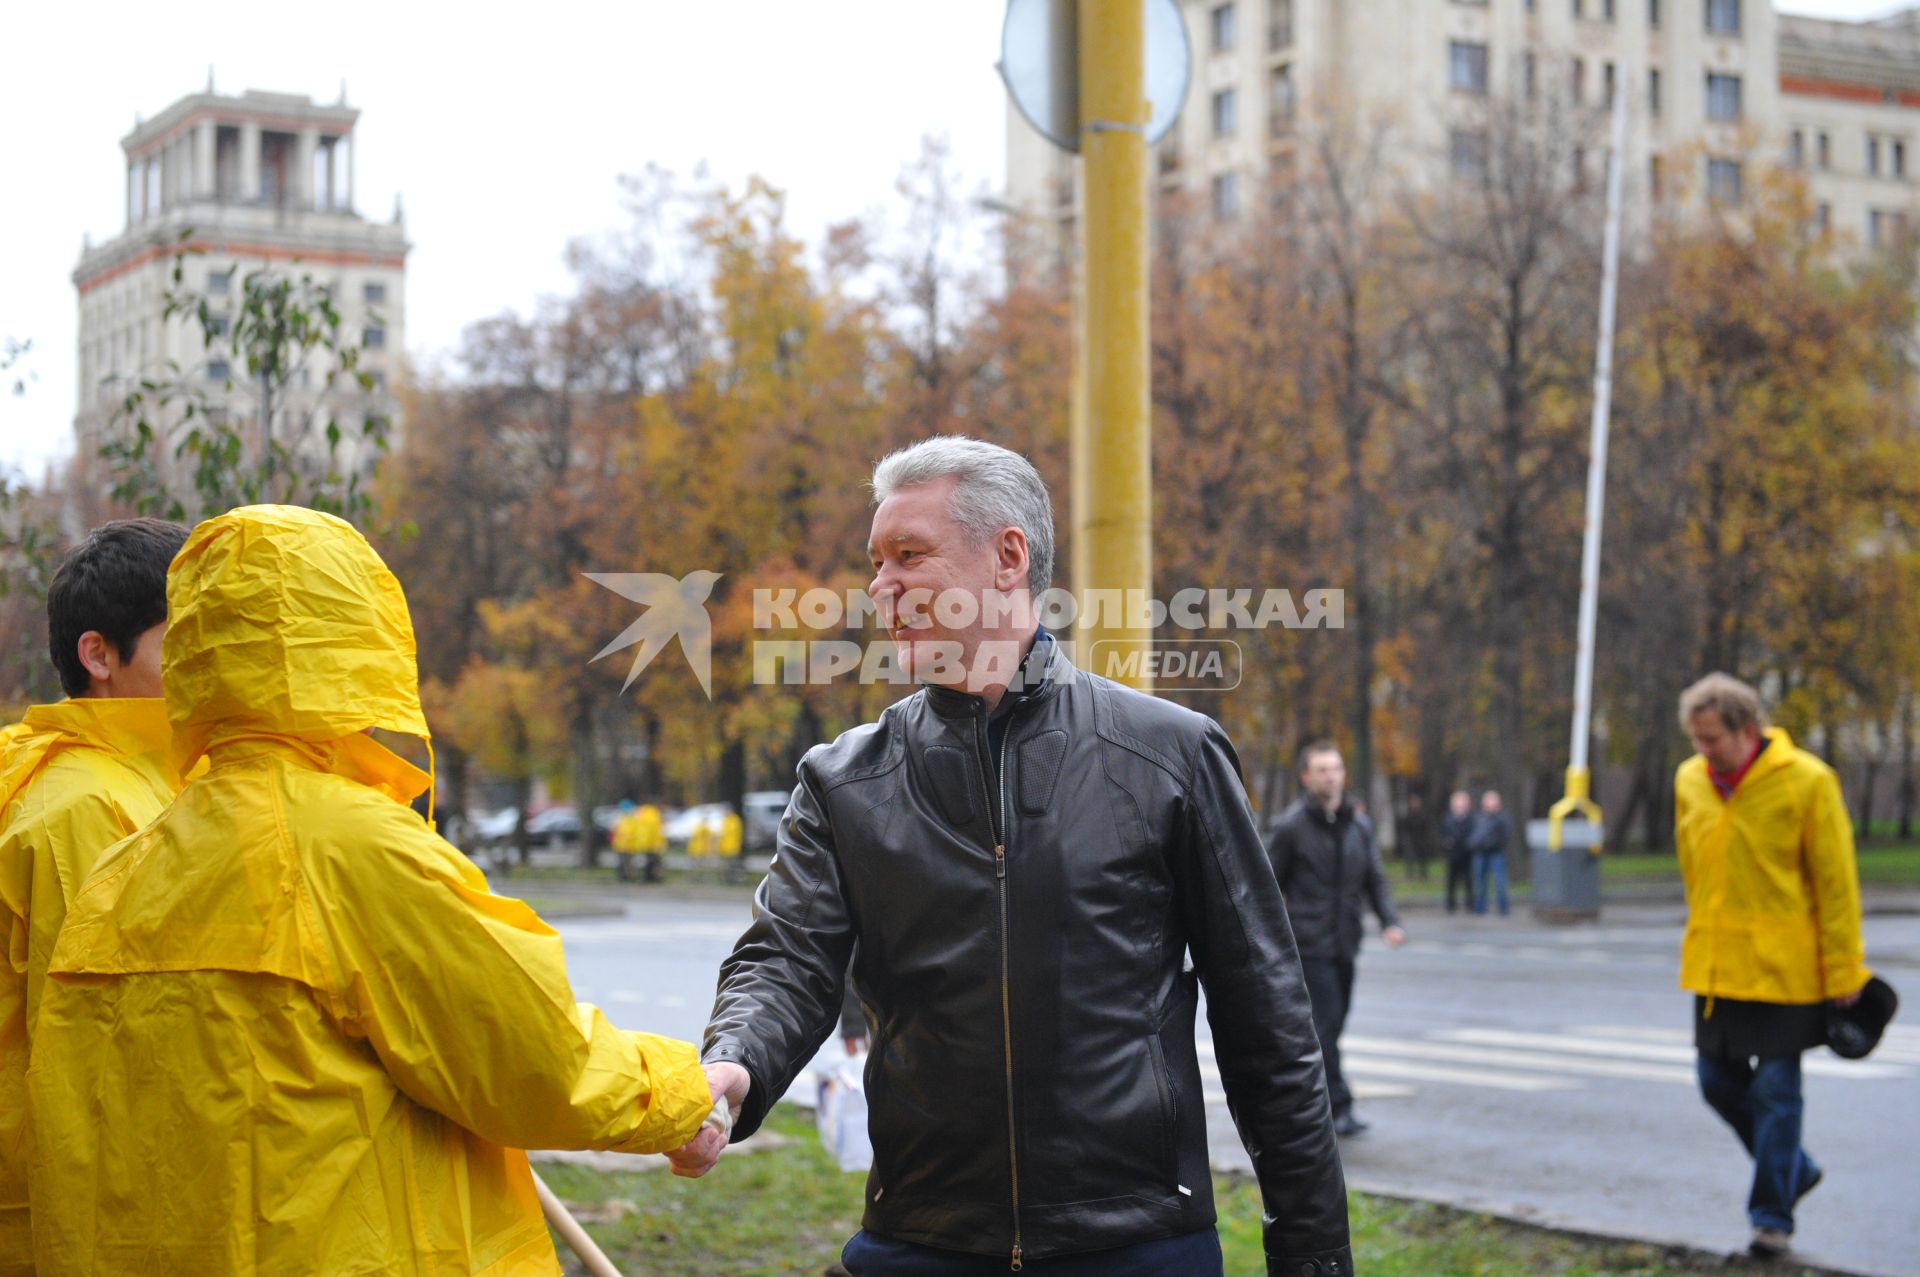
[(1566, 883)]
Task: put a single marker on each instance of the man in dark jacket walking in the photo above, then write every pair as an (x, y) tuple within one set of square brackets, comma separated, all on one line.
[(1025, 854), (1456, 844), (1328, 867), (1492, 831)]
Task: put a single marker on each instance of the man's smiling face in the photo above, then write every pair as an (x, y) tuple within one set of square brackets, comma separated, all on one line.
[(921, 554)]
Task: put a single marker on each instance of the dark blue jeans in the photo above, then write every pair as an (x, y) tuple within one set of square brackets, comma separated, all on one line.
[(1188, 1255), (1485, 864), (1762, 1104)]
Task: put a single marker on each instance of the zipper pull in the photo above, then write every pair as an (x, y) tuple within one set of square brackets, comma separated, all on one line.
[(1016, 1259), (999, 860)]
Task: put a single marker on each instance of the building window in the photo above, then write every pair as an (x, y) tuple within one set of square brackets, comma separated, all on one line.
[(1579, 8), (1873, 156), (1280, 101), (1467, 66), (1797, 149), (1467, 154), (1653, 14), (1530, 76), (1897, 156), (1723, 181), (1222, 27), (217, 370), (1823, 151), (218, 325), (1606, 83), (1279, 25), (374, 293), (1579, 80), (1223, 113), (373, 338), (1226, 195), (1606, 9), (1723, 97), (1723, 17), (377, 383), (1823, 218), (219, 283), (1654, 175), (1653, 91), (1876, 227)]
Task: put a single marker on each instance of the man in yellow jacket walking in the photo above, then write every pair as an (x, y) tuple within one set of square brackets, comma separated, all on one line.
[(287, 1028), (1773, 930), (76, 777)]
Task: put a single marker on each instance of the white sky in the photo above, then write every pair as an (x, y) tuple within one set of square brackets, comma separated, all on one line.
[(502, 127)]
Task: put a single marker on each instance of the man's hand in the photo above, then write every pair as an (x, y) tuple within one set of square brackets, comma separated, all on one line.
[(698, 1155), (1847, 999), (856, 1044), (1394, 936)]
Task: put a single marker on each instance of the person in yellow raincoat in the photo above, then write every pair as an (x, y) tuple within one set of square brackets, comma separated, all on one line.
[(287, 1028), (76, 777), (1773, 931)]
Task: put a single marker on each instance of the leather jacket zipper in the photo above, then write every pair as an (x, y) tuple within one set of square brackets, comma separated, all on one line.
[(1006, 1000)]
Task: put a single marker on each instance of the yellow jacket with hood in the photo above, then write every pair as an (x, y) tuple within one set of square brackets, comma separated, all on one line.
[(75, 778), (1773, 894), (288, 1029)]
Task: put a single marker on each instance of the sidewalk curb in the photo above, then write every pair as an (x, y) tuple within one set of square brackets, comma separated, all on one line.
[(1527, 1216)]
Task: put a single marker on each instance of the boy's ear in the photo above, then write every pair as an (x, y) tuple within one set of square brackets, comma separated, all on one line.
[(93, 649)]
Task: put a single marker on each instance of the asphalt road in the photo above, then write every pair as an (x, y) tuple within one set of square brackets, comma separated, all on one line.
[(1543, 1073)]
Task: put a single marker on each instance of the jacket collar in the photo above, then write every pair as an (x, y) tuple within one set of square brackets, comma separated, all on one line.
[(1043, 668), (122, 725)]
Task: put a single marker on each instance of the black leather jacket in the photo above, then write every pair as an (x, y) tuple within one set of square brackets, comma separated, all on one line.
[(1327, 868), (1034, 1088)]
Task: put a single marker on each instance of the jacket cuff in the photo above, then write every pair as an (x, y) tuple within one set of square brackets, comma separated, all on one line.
[(1322, 1263), (754, 1110)]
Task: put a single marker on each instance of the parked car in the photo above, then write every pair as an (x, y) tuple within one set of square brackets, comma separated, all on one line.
[(764, 807), (679, 829), (554, 822), (494, 826)]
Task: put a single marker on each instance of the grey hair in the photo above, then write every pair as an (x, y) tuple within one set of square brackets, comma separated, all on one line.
[(998, 488), (1737, 703)]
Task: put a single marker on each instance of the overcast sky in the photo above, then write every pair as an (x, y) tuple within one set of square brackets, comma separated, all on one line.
[(504, 138)]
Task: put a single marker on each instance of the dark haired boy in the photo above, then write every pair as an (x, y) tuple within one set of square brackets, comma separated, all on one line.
[(76, 777)]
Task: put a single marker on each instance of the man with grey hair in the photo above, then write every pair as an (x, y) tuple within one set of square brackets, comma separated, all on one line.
[(1026, 855), (1773, 931)]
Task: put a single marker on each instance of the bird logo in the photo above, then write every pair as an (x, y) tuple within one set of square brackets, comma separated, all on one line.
[(674, 609)]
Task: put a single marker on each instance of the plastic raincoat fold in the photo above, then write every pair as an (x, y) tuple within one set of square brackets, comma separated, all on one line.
[(289, 1029)]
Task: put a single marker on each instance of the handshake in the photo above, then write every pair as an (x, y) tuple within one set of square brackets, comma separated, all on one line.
[(728, 1084)]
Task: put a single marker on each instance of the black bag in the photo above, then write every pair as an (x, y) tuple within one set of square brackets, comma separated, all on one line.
[(1854, 1031)]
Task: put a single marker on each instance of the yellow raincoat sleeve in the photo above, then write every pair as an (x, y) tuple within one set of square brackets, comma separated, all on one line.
[(464, 996), (1834, 879)]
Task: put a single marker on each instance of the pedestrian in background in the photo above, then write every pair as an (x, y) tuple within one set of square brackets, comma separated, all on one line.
[(1328, 868), (1773, 931), (1492, 832), (1456, 844), (1416, 836)]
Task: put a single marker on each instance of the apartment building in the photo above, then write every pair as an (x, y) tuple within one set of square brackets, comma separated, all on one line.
[(1716, 84)]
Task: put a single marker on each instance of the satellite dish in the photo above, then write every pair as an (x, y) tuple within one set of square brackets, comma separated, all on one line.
[(1040, 64)]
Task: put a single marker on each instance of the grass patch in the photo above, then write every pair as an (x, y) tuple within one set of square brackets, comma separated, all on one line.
[(788, 1210)]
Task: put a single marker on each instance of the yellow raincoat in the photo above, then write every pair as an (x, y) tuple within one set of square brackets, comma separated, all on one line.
[(75, 778), (288, 1028), (1773, 894)]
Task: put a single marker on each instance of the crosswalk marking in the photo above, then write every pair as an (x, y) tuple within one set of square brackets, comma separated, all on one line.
[(1498, 1058), (1856, 1069), (1362, 1065)]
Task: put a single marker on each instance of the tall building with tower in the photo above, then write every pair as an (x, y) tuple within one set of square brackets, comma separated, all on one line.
[(261, 181)]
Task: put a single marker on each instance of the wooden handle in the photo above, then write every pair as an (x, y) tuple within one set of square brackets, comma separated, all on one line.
[(571, 1233)]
